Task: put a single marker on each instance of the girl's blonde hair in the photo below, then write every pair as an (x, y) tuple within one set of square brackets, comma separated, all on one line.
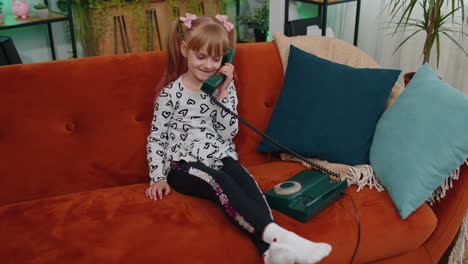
[(204, 30)]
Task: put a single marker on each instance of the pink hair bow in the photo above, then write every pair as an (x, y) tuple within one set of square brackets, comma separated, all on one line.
[(223, 19), (188, 19)]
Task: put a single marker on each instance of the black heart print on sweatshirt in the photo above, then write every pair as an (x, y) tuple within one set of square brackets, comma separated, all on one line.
[(183, 112), (233, 133), (173, 125), (203, 108), (233, 121), (186, 127), (213, 113), (224, 113), (219, 126), (166, 114)]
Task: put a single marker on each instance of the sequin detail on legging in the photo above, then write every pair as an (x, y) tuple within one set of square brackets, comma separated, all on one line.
[(219, 192)]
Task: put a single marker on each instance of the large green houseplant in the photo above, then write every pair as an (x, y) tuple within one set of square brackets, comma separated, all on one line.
[(438, 18)]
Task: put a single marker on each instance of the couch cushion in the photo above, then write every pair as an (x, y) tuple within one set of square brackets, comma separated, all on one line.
[(420, 140), (328, 110), (333, 49), (120, 225)]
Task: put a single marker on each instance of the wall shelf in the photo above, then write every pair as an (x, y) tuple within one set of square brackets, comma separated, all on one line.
[(12, 22)]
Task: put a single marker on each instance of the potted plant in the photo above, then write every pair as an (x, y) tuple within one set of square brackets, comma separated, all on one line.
[(2, 16), (434, 21), (258, 21), (42, 11)]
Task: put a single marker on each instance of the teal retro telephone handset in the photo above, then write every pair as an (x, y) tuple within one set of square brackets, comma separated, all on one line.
[(214, 81), (302, 196)]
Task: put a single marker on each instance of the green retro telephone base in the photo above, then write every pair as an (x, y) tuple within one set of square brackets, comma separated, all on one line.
[(305, 194)]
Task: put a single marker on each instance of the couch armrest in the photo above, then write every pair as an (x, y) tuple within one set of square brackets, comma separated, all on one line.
[(450, 212)]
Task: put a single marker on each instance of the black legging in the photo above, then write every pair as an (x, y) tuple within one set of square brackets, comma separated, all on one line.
[(232, 187)]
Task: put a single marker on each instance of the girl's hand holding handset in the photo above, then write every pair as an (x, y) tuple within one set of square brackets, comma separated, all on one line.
[(157, 190), (228, 70)]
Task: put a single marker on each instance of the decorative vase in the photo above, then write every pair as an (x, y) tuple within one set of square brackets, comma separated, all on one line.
[(407, 77), (260, 36), (42, 13)]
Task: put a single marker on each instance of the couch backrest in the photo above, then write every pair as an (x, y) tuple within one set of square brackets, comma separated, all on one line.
[(77, 125), (260, 78)]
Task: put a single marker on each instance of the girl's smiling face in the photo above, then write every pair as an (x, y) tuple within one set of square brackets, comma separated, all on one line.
[(200, 64)]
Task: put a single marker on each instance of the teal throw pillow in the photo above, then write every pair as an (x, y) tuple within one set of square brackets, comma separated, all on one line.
[(328, 110), (420, 140)]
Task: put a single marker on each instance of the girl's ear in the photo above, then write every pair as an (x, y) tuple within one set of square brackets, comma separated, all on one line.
[(184, 49)]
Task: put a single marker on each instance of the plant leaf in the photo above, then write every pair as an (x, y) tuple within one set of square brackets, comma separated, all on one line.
[(456, 42), (406, 39)]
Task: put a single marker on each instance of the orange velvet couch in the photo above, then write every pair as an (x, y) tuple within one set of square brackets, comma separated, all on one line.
[(73, 172)]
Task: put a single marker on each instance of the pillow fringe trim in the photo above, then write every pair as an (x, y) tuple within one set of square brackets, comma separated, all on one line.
[(446, 185), (362, 177)]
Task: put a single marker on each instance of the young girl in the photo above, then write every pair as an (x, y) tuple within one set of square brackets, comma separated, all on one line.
[(190, 147)]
